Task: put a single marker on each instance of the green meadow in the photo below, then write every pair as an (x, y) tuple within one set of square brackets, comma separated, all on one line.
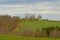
[(39, 24), (9, 37)]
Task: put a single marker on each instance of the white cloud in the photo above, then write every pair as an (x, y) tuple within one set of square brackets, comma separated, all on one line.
[(36, 8)]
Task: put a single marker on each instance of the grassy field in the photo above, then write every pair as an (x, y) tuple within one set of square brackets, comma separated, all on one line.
[(39, 24), (5, 37)]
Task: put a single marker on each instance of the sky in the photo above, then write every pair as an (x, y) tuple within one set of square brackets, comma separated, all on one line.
[(49, 9)]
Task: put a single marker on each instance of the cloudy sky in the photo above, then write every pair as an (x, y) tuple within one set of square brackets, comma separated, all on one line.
[(49, 9)]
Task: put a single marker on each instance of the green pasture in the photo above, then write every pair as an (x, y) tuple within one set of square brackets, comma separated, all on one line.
[(39, 24), (7, 37)]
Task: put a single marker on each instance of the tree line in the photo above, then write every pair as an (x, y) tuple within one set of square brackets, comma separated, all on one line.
[(32, 17), (51, 32), (8, 23)]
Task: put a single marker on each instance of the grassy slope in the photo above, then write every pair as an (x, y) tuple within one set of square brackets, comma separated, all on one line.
[(39, 24)]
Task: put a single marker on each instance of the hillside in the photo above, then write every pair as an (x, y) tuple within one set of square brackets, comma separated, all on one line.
[(29, 27), (39, 24)]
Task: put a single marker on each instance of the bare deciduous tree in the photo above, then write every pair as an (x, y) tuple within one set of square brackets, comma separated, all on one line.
[(39, 17)]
